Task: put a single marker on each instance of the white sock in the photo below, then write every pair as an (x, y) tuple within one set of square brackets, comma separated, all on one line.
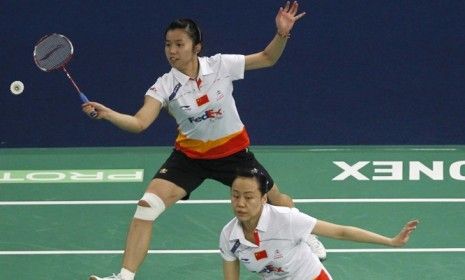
[(126, 274)]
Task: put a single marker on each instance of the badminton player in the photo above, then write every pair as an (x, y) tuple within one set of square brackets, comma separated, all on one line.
[(271, 240), (212, 141)]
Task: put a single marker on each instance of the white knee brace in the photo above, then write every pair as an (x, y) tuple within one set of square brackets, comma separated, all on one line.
[(157, 206)]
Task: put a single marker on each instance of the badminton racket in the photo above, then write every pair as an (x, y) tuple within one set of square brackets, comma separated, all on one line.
[(53, 52)]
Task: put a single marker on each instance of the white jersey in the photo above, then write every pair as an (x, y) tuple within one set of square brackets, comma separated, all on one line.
[(282, 252), (208, 122)]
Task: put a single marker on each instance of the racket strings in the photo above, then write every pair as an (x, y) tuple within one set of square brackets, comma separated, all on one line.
[(53, 52)]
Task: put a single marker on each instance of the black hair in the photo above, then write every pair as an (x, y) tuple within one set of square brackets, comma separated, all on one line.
[(262, 179), (191, 28)]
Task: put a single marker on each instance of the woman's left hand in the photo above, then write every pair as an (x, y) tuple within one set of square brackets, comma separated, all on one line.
[(402, 238), (286, 18)]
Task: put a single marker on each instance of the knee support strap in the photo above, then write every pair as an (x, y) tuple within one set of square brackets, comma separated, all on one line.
[(157, 206)]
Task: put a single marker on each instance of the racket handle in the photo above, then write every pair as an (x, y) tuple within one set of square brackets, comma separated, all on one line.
[(84, 99)]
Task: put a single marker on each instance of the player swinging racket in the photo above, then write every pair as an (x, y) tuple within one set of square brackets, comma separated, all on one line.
[(212, 142)]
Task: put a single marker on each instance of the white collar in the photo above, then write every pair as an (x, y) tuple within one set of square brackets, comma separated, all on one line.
[(204, 69), (237, 232)]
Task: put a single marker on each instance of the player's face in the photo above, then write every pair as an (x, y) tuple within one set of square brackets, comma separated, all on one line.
[(246, 199), (179, 49)]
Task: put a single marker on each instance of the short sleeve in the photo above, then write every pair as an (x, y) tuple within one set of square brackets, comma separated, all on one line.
[(225, 249), (301, 223), (234, 64), (156, 91)]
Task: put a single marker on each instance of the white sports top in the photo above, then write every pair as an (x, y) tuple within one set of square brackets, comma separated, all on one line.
[(208, 122), (282, 252)]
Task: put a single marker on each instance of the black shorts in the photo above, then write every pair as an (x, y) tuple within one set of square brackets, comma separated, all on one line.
[(189, 173)]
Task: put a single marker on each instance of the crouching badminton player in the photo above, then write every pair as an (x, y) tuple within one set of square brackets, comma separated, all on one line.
[(271, 240)]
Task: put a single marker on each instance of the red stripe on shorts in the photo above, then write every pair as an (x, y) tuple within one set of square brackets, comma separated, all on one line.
[(323, 276)]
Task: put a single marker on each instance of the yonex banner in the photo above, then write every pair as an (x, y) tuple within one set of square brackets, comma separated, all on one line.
[(71, 176), (400, 170)]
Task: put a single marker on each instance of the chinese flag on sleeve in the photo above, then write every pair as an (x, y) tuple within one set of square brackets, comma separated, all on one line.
[(261, 255), (202, 100)]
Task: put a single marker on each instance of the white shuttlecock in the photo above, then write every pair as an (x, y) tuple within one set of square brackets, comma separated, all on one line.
[(17, 87)]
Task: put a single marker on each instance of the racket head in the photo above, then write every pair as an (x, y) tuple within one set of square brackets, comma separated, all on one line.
[(52, 52)]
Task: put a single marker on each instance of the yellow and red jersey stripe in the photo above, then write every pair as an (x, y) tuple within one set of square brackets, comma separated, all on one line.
[(218, 148)]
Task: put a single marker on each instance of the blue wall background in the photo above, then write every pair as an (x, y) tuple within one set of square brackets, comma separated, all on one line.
[(354, 72)]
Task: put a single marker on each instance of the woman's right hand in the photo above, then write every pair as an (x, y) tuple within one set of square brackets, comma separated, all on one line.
[(90, 107)]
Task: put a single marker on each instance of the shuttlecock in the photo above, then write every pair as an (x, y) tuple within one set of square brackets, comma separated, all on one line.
[(17, 87)]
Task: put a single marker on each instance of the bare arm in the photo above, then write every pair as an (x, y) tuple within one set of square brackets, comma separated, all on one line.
[(135, 124), (285, 20), (231, 270), (356, 234)]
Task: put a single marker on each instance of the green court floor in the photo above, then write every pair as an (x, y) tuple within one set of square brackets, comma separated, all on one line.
[(64, 212)]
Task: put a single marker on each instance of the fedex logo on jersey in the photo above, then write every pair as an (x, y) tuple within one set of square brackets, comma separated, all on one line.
[(271, 268), (209, 114)]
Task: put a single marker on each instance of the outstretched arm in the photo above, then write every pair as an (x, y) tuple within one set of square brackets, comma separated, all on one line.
[(137, 123), (285, 20), (356, 234), (231, 270)]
